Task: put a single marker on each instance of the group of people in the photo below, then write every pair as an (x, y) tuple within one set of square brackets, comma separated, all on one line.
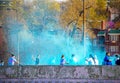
[(92, 60), (11, 61), (71, 61), (108, 61), (89, 61)]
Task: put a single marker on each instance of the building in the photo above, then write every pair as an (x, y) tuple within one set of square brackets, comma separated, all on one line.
[(109, 38), (109, 41)]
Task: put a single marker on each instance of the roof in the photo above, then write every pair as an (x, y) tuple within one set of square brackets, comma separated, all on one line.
[(111, 32), (114, 32), (101, 33)]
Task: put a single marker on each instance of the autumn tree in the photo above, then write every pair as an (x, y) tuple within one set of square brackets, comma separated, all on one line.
[(33, 15), (17, 5), (95, 12), (114, 4)]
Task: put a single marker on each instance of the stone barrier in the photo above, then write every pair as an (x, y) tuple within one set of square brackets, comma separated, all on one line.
[(60, 72)]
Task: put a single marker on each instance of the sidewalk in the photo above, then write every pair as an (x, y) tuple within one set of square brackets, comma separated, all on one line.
[(57, 81)]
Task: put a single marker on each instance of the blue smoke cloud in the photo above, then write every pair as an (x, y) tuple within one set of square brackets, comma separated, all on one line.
[(48, 39)]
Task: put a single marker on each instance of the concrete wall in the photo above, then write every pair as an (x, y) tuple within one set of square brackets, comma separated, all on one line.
[(61, 72)]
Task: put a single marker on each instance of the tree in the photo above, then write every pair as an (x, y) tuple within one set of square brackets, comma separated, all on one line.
[(17, 6), (54, 6), (114, 4), (95, 12)]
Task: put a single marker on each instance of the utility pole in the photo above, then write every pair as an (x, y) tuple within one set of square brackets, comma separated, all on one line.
[(84, 26), (83, 19)]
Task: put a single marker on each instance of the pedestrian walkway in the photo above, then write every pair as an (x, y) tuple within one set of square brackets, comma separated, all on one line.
[(57, 81)]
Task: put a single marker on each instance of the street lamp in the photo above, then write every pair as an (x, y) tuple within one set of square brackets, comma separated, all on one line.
[(84, 26)]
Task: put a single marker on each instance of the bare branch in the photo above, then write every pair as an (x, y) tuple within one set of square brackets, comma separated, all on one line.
[(81, 12)]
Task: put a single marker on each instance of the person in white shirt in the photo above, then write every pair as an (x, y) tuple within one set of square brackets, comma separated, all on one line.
[(92, 60), (73, 60), (96, 60)]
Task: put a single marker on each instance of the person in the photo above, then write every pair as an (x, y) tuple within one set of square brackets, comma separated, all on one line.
[(73, 60), (107, 60), (117, 60), (63, 61), (96, 60), (36, 59), (12, 60), (1, 63), (92, 60), (117, 57)]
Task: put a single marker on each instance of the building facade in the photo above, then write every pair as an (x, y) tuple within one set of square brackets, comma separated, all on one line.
[(109, 38), (109, 41)]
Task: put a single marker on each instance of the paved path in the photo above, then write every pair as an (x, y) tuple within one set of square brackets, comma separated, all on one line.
[(57, 81)]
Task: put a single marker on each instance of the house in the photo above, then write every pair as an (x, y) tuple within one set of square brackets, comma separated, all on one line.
[(109, 41), (109, 38)]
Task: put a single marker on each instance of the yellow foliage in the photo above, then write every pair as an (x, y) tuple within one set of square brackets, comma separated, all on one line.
[(15, 4), (95, 11), (115, 4), (55, 6), (117, 25)]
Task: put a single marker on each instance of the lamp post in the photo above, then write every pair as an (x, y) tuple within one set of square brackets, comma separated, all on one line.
[(83, 20), (84, 26)]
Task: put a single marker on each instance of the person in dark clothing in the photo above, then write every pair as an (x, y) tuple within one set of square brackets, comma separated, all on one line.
[(117, 61), (1, 63), (63, 61), (12, 60), (107, 60), (36, 59)]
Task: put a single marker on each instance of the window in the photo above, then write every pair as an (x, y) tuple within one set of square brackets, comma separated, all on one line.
[(101, 40), (113, 16), (114, 37), (95, 42), (114, 48)]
